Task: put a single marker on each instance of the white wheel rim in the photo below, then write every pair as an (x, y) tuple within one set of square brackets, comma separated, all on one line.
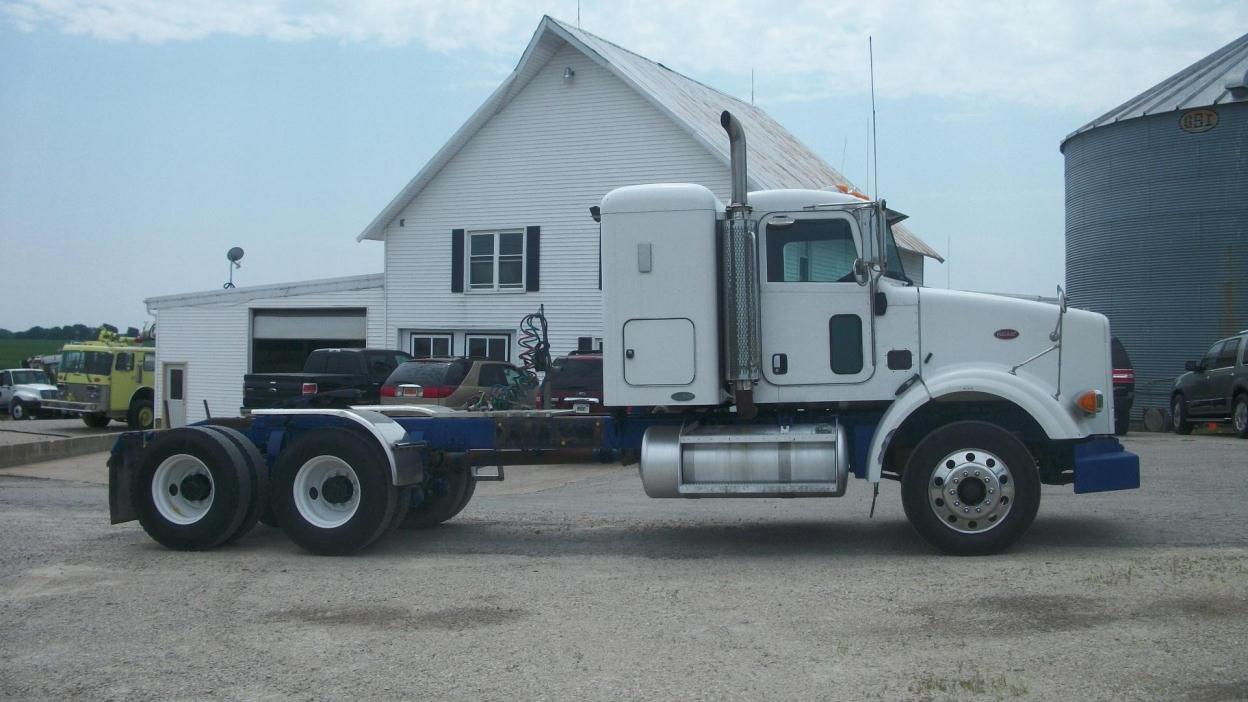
[(18, 410), (179, 490), (991, 493), (326, 492)]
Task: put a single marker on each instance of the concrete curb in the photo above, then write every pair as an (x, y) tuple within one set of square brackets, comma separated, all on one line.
[(36, 451)]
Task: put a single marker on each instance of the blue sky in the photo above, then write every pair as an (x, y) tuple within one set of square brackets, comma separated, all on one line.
[(139, 141)]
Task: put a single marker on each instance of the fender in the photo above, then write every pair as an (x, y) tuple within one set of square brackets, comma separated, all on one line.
[(1037, 401), (387, 432)]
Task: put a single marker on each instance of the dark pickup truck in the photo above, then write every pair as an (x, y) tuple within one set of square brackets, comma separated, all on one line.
[(330, 378)]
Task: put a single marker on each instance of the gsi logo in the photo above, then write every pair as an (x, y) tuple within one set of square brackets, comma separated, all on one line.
[(1197, 121), (1006, 334)]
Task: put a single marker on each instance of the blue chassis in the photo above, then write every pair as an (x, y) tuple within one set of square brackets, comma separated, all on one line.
[(1099, 463)]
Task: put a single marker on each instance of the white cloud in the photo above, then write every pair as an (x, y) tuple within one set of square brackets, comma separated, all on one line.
[(1042, 53)]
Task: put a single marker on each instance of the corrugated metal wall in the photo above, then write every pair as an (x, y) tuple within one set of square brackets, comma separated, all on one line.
[(1157, 237)]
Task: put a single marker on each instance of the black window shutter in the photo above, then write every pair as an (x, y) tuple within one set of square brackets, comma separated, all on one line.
[(532, 258), (457, 260)]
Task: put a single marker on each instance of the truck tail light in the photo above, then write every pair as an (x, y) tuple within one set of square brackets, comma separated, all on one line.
[(437, 391), (387, 391), (1090, 401), (1123, 376), (309, 388)]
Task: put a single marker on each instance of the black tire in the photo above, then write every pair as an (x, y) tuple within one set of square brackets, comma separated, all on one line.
[(19, 411), (140, 415), (95, 421), (375, 496), (1239, 415), (402, 505), (267, 516), (1122, 424), (956, 530), (257, 471), (1179, 422), (229, 493), (440, 497)]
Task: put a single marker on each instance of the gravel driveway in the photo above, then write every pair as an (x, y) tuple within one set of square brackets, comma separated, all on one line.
[(570, 584)]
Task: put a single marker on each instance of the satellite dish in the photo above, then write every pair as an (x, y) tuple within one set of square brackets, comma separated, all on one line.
[(234, 255)]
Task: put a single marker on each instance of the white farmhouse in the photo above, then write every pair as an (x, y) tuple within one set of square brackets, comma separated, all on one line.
[(498, 222), (496, 225)]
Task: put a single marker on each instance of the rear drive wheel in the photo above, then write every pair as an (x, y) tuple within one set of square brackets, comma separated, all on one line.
[(332, 492), (970, 488), (1179, 422), (98, 420), (1239, 415), (192, 489), (141, 416), (440, 497), (258, 474)]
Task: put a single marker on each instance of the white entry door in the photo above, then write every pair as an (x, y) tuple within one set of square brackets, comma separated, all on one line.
[(175, 395)]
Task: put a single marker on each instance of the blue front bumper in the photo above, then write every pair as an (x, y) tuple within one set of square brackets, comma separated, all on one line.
[(1102, 465)]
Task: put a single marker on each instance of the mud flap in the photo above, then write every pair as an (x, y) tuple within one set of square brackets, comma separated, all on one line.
[(122, 463)]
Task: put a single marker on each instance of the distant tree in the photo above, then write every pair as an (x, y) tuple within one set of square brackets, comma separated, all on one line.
[(6, 334)]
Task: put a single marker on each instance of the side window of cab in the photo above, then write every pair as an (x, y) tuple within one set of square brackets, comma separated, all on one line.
[(811, 251)]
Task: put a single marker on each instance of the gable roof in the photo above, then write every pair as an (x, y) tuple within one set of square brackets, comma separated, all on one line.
[(777, 160), (1216, 79)]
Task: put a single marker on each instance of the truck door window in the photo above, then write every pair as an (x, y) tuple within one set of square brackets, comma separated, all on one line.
[(1211, 356), (811, 251), (125, 362), (149, 363), (1226, 358), (4, 379)]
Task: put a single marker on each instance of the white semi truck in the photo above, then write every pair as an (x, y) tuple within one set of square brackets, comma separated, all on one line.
[(769, 347)]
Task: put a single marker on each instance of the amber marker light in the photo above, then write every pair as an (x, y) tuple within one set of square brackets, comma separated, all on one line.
[(1090, 401)]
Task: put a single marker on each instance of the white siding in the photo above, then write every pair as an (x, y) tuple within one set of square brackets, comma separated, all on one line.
[(214, 342), (544, 160)]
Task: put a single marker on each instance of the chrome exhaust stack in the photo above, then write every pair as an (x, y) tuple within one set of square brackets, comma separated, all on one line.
[(739, 267)]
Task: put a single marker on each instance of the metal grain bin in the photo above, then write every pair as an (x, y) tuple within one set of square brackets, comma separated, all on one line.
[(1157, 218)]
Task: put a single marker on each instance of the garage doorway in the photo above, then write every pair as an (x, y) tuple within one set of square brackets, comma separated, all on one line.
[(281, 340)]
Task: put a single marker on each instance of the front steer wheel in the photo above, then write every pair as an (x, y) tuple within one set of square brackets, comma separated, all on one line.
[(332, 492), (192, 490), (970, 489)]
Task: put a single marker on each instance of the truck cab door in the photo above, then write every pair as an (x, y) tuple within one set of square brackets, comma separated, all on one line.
[(816, 319), (6, 388)]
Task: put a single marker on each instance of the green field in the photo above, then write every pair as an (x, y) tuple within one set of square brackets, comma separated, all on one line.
[(13, 351)]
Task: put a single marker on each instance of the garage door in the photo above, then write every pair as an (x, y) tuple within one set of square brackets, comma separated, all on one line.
[(282, 339)]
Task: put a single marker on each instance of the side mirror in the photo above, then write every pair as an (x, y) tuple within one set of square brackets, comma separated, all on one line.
[(862, 271), (1193, 366)]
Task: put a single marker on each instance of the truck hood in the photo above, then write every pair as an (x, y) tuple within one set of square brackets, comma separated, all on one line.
[(963, 327), (35, 389)]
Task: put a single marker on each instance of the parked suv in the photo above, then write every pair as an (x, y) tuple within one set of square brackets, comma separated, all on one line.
[(575, 382), (23, 390), (474, 383), (1124, 386), (1214, 388)]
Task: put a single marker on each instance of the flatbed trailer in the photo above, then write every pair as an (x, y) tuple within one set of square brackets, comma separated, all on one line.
[(336, 480)]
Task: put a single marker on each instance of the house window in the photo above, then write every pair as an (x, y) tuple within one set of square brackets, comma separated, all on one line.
[(496, 260), (431, 345), (496, 347)]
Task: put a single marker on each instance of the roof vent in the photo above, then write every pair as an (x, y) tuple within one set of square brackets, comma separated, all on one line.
[(1238, 86)]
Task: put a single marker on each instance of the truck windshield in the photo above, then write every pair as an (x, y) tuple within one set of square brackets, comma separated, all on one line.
[(30, 377), (89, 362)]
